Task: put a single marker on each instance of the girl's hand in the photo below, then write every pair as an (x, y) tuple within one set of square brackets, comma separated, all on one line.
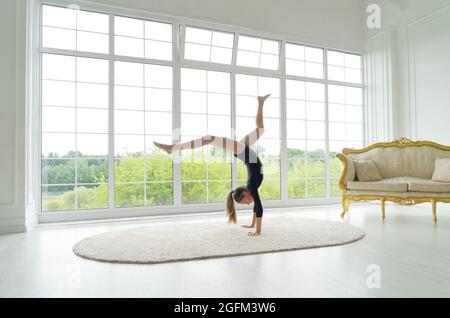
[(249, 226), (253, 233)]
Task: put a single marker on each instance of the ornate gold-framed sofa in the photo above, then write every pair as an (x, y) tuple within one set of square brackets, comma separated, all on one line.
[(406, 168)]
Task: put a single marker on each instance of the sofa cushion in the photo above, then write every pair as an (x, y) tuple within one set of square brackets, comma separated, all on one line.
[(366, 170), (429, 186), (385, 185), (442, 170)]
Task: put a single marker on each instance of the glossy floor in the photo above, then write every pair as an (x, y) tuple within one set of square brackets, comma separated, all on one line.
[(406, 256)]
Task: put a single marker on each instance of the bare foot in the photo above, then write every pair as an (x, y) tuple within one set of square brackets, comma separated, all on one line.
[(166, 148), (262, 99), (253, 234), (248, 226)]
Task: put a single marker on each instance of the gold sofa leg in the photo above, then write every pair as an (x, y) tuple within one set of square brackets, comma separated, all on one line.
[(345, 206), (383, 209), (433, 203)]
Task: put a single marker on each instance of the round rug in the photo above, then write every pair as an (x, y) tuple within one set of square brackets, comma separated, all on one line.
[(180, 241)]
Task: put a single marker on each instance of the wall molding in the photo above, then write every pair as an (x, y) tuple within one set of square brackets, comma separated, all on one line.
[(412, 27)]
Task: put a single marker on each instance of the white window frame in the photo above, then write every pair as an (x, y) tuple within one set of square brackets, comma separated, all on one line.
[(177, 63)]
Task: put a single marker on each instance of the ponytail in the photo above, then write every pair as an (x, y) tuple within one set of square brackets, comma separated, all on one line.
[(230, 209)]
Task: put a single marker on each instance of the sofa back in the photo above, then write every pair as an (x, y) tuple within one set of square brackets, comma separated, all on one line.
[(402, 157)]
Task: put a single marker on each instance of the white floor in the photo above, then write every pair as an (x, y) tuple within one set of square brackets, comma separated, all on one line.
[(411, 253)]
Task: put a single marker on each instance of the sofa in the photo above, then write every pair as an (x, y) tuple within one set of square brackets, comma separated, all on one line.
[(407, 172)]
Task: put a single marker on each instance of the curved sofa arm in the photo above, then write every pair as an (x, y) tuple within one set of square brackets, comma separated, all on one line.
[(348, 171)]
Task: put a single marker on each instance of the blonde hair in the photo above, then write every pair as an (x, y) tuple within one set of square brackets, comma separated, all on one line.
[(235, 195)]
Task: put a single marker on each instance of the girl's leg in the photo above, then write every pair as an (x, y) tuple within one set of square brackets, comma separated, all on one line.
[(224, 143), (254, 135)]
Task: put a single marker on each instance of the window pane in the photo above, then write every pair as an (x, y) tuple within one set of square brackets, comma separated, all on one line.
[(316, 188), (218, 191), (315, 92), (193, 79), (270, 47), (315, 130), (352, 60), (353, 96), (129, 195), (58, 119), (296, 68), (158, 50), (92, 70), (295, 109), (128, 27), (219, 125), (249, 43), (336, 58), (195, 35), (58, 198), (129, 170), (128, 122), (315, 111), (294, 51), (92, 95), (246, 58), (193, 125), (91, 21), (55, 93), (92, 120), (314, 70), (92, 145), (92, 197), (57, 144), (246, 85), (159, 193), (336, 112), (58, 171), (128, 46), (158, 99), (296, 129), (58, 67), (128, 97), (295, 90), (158, 31), (197, 52), (222, 39), (157, 76), (313, 54), (337, 131), (219, 104), (157, 123), (221, 55), (58, 38), (128, 145), (218, 82), (58, 17), (193, 192), (129, 74)]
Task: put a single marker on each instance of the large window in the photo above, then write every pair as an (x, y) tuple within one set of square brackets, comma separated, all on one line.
[(112, 84)]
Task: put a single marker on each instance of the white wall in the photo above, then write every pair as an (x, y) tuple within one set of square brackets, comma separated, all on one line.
[(328, 22), (417, 40)]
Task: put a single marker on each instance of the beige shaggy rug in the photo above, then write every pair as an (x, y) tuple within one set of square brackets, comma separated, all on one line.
[(180, 241)]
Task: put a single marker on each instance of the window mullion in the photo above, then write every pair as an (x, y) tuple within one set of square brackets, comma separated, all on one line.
[(283, 132), (111, 137), (176, 109), (327, 126)]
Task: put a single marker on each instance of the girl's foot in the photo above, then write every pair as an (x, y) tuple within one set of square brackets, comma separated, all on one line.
[(248, 226), (166, 148), (262, 99)]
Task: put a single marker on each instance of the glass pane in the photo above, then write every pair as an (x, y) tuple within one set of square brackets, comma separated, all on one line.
[(218, 191), (55, 93), (219, 104), (316, 188), (159, 194), (269, 85), (295, 109), (92, 144), (296, 68), (246, 58), (313, 54), (272, 128), (92, 170), (92, 21), (218, 82), (128, 97), (126, 145), (197, 52), (296, 188), (294, 51), (129, 170), (193, 169), (268, 149), (316, 149), (193, 125), (58, 38), (194, 80), (315, 92), (336, 94), (337, 146), (315, 130), (221, 55), (337, 131), (131, 74), (57, 145), (354, 131), (314, 70), (315, 111), (129, 195), (335, 168), (270, 47), (195, 35), (158, 167), (92, 42), (158, 50), (92, 197), (158, 31), (92, 95), (270, 189), (315, 168), (296, 129), (218, 169), (92, 120), (354, 114), (58, 198), (58, 119), (128, 122), (58, 171), (271, 107), (296, 168), (158, 99), (352, 60), (353, 75), (92, 70), (219, 125), (334, 188), (336, 112), (193, 192), (268, 61), (128, 46), (249, 43), (128, 27), (353, 95), (336, 73), (158, 123), (193, 102), (58, 67), (222, 39), (59, 17), (336, 58), (246, 106), (246, 85), (295, 90)]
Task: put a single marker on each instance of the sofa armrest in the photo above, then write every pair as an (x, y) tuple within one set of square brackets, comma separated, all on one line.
[(348, 171)]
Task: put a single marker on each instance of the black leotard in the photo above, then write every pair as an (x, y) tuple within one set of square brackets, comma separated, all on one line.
[(254, 176)]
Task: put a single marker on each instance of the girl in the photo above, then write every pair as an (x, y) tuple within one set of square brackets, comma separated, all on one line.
[(240, 149)]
